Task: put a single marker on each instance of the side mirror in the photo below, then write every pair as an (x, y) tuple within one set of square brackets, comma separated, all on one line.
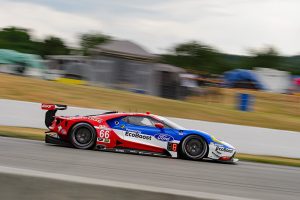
[(159, 125)]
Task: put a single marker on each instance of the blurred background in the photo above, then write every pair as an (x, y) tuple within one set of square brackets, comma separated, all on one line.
[(231, 61), (208, 53)]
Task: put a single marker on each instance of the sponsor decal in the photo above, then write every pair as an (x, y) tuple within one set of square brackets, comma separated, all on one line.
[(117, 123), (48, 106), (172, 147), (105, 140), (102, 147), (216, 154), (164, 137), (123, 126), (104, 134), (103, 127), (94, 119), (87, 118), (132, 151), (223, 149), (137, 134)]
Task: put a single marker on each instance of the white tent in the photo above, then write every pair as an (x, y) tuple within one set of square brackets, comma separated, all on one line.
[(274, 80)]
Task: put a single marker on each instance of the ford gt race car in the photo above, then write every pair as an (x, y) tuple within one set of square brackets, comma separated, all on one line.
[(138, 133)]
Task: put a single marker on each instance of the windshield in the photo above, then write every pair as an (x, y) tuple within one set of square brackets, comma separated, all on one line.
[(170, 124)]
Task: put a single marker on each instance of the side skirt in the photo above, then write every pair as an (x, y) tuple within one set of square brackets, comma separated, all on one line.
[(132, 151)]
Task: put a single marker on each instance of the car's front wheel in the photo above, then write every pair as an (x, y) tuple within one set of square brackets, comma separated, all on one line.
[(194, 147), (83, 136)]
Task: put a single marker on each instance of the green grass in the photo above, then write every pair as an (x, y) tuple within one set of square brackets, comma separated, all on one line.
[(38, 134), (270, 159), (270, 110), (20, 132), (277, 111)]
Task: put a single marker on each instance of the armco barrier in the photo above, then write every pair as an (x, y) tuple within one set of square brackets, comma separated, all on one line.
[(246, 139)]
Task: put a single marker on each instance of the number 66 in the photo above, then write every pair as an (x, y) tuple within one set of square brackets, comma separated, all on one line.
[(104, 133)]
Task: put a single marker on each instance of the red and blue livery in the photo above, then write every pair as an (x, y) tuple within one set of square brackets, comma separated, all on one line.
[(138, 133)]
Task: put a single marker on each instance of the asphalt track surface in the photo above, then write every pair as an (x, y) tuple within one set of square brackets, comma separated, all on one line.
[(246, 139), (250, 180)]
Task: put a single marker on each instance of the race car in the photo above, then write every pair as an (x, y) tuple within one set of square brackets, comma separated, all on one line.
[(138, 133)]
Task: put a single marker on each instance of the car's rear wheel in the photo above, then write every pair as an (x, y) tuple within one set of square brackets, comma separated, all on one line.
[(194, 147), (83, 136)]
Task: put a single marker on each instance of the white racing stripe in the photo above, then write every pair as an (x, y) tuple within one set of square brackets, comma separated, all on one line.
[(151, 141)]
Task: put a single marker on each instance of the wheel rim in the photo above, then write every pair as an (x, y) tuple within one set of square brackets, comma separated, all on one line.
[(83, 136), (194, 147)]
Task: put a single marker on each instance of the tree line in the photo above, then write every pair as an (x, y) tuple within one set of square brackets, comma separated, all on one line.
[(192, 55), (206, 59)]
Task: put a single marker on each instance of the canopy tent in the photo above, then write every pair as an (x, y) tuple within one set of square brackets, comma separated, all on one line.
[(17, 58), (274, 80), (3, 61), (242, 78), (8, 56)]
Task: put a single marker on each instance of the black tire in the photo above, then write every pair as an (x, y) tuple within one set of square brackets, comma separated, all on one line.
[(194, 147), (83, 136)]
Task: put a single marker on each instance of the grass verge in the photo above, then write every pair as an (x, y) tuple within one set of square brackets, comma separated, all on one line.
[(38, 134), (269, 159), (21, 132), (276, 111)]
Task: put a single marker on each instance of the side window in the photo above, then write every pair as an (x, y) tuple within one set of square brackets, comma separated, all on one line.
[(154, 121), (147, 122), (142, 121), (125, 119), (139, 121)]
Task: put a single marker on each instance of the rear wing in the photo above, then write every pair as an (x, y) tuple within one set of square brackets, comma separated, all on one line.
[(51, 111), (46, 106)]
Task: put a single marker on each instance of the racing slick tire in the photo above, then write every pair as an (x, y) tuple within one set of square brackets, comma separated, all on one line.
[(83, 136), (194, 147)]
